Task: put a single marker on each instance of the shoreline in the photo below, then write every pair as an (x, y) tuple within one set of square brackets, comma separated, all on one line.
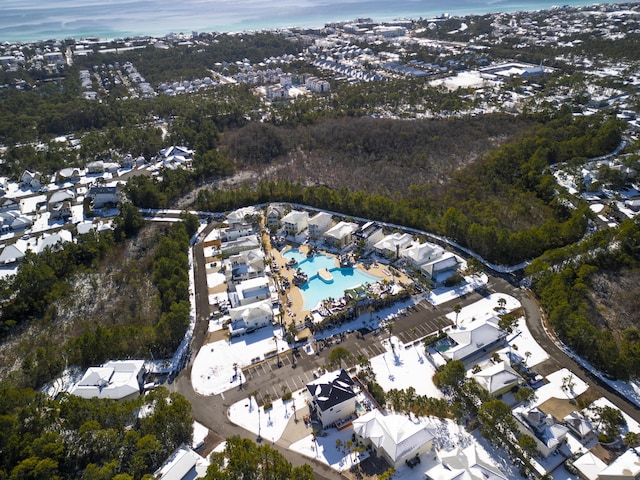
[(79, 25)]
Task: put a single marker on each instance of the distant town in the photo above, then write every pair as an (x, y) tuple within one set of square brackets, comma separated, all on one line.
[(363, 348)]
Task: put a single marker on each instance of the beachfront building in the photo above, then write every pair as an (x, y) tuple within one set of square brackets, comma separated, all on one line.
[(474, 339), (394, 437), (341, 234), (391, 245), (248, 318), (547, 433), (319, 224), (295, 222), (115, 380), (331, 397)]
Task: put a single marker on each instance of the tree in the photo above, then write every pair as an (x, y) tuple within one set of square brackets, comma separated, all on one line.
[(525, 395), (451, 375), (528, 445), (337, 356), (457, 308)]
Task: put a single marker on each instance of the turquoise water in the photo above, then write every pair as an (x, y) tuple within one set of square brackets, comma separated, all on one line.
[(30, 20), (316, 289)]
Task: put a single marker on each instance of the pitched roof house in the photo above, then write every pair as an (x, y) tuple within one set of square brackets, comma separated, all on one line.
[(474, 338), (544, 429), (498, 379), (395, 437), (295, 222), (117, 380), (332, 398), (247, 318), (319, 224), (340, 234), (463, 464)]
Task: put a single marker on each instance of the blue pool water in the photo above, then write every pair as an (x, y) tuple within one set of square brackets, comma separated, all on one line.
[(317, 289)]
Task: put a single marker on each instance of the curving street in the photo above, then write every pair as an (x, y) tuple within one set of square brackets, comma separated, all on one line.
[(296, 371)]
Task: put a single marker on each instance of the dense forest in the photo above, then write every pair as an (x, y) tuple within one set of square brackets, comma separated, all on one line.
[(566, 282)]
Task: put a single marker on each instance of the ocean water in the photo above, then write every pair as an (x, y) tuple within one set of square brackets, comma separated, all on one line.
[(31, 20)]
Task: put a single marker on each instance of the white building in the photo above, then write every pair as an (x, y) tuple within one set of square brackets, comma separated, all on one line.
[(498, 379), (370, 234), (319, 224), (547, 433), (244, 266), (247, 318), (295, 222), (475, 338), (464, 464), (250, 291), (395, 437), (418, 254), (101, 196), (183, 464), (331, 397), (625, 467), (116, 380), (341, 234), (440, 269), (391, 245)]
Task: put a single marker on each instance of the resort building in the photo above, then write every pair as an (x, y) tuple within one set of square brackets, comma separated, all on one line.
[(319, 224), (236, 231), (391, 245), (331, 397), (115, 380), (439, 270), (295, 222), (274, 214), (418, 254), (341, 234), (396, 438), (369, 233), (242, 244)]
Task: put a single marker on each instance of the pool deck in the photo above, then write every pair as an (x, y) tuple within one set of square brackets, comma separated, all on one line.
[(325, 275), (295, 313)]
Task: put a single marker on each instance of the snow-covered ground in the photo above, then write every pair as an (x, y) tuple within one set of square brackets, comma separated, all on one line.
[(399, 367)]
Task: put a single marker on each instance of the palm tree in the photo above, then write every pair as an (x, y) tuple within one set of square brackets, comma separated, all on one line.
[(456, 308), (275, 339)]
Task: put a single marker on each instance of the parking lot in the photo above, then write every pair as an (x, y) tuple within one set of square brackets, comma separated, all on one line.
[(292, 371)]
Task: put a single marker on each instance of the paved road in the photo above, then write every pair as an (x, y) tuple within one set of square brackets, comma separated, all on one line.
[(295, 371)]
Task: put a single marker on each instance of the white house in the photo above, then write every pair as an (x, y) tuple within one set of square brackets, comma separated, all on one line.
[(244, 266), (395, 437), (331, 397), (580, 426), (247, 318), (464, 464), (341, 234), (241, 214), (626, 466), (547, 433), (295, 222), (274, 214), (31, 180), (116, 380), (474, 338), (250, 291), (498, 378), (11, 254), (589, 466), (319, 224), (242, 244), (236, 231), (440, 269), (183, 464), (393, 244), (420, 253), (102, 196)]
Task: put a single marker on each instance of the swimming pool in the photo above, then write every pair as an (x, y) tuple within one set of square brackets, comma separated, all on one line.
[(316, 289)]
